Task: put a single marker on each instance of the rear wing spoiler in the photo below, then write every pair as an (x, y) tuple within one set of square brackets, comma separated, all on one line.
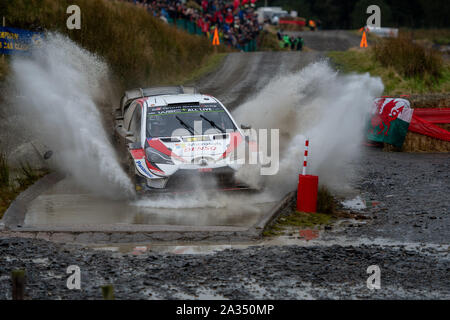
[(133, 94)]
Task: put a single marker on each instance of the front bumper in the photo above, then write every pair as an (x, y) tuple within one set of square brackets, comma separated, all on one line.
[(189, 178)]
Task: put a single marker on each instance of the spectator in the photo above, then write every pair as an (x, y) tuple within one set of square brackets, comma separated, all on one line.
[(293, 42), (312, 24), (287, 41), (235, 19), (300, 43)]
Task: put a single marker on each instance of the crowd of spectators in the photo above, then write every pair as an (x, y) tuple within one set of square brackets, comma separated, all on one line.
[(236, 20)]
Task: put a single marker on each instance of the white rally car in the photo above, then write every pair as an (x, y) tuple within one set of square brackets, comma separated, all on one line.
[(173, 133)]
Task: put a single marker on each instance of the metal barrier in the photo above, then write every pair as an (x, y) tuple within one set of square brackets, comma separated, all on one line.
[(192, 28)]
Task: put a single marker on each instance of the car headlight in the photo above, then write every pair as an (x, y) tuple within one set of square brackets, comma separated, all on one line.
[(157, 157)]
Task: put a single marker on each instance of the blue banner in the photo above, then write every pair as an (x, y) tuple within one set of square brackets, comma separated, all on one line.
[(13, 40)]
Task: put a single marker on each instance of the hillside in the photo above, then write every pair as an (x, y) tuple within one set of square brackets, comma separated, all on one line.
[(140, 49)]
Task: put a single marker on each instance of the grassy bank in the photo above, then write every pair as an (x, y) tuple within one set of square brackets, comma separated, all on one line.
[(268, 41), (327, 213), (404, 67), (435, 36), (362, 61), (140, 49), (410, 68)]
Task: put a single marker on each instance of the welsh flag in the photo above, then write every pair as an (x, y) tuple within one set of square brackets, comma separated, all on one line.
[(390, 121)]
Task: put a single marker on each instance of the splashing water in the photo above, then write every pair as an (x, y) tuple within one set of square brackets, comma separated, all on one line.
[(316, 102), (61, 85)]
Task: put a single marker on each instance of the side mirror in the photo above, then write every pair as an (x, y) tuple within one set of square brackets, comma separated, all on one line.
[(135, 145), (246, 127)]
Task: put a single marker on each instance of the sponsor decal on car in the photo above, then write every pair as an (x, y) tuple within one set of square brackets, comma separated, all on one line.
[(184, 109), (142, 169), (200, 148)]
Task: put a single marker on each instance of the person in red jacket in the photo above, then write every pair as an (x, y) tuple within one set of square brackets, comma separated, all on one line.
[(236, 4), (229, 17), (205, 5), (205, 27)]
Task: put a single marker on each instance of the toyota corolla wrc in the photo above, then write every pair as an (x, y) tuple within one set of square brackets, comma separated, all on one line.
[(172, 133)]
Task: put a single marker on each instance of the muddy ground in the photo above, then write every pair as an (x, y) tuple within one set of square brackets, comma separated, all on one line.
[(407, 237)]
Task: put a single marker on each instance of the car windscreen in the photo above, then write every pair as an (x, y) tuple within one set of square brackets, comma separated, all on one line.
[(177, 120)]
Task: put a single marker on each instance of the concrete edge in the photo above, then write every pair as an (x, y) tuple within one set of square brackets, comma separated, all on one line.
[(15, 214), (130, 237), (129, 228), (277, 209)]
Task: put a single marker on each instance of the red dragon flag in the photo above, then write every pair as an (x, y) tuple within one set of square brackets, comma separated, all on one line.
[(390, 120)]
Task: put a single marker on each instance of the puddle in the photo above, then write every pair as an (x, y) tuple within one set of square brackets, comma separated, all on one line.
[(83, 209), (356, 203), (65, 205)]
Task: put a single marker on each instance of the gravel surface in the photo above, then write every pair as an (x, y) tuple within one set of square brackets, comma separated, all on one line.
[(414, 195), (326, 40), (289, 272), (409, 243)]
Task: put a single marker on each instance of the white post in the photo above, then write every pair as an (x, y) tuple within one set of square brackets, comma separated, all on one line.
[(305, 156)]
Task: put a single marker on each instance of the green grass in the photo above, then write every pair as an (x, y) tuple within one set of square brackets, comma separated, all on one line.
[(363, 61), (306, 220), (268, 41), (299, 219), (409, 58), (326, 215), (325, 201), (436, 36)]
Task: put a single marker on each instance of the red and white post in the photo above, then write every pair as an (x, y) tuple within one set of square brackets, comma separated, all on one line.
[(307, 187), (305, 157)]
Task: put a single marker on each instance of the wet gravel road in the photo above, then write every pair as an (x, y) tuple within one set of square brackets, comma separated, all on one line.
[(409, 244), (288, 272), (413, 191)]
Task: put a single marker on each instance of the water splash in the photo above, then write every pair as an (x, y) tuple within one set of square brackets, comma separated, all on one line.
[(61, 86), (321, 104)]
